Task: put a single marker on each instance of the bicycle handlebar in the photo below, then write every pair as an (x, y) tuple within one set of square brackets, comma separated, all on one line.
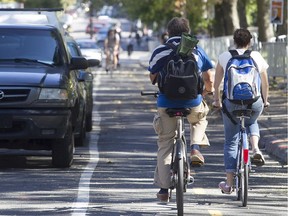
[(153, 93)]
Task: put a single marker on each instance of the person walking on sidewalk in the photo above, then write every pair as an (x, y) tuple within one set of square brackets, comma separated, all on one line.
[(242, 39), (164, 125)]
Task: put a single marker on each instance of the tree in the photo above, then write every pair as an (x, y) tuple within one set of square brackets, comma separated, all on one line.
[(226, 17), (265, 30), (241, 8)]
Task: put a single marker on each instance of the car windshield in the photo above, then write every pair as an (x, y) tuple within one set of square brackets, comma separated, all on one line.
[(29, 44)]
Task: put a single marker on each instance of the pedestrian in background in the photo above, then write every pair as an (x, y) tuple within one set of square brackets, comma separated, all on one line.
[(130, 45)]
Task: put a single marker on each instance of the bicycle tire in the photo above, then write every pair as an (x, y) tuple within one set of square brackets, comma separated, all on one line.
[(238, 176), (244, 185), (180, 187)]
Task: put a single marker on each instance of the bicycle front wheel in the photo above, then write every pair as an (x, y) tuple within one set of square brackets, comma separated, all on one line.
[(180, 187)]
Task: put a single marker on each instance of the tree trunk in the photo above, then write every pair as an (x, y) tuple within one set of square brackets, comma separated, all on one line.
[(241, 8), (226, 17), (265, 30)]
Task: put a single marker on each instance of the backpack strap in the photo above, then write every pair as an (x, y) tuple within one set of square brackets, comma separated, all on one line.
[(171, 46), (233, 53), (225, 111), (246, 54), (174, 48)]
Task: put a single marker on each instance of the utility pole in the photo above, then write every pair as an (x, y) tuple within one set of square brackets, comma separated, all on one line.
[(91, 19)]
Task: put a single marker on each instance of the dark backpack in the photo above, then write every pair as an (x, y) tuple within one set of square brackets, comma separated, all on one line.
[(179, 79), (242, 82)]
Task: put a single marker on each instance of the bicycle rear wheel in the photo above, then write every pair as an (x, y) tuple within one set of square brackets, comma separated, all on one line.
[(244, 185), (242, 182), (180, 187), (238, 177)]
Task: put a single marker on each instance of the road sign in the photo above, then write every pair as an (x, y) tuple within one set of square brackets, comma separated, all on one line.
[(276, 12)]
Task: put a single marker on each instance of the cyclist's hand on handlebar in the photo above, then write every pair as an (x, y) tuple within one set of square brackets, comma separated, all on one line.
[(266, 104), (216, 104)]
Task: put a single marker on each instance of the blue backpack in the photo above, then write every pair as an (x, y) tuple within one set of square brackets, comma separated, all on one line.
[(242, 82)]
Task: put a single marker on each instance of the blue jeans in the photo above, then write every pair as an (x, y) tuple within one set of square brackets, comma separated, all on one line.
[(232, 131)]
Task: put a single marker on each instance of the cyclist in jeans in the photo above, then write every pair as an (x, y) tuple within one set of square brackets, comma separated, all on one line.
[(242, 39), (164, 125)]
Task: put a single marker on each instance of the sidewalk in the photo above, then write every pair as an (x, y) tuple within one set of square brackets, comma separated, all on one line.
[(273, 122)]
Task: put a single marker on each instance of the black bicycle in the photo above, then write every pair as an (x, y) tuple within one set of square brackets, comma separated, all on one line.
[(243, 160), (180, 166)]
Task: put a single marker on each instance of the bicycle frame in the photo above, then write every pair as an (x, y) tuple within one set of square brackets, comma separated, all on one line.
[(179, 153), (243, 159), (180, 167)]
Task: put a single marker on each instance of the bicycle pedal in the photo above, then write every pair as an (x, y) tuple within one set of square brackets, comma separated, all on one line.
[(190, 180)]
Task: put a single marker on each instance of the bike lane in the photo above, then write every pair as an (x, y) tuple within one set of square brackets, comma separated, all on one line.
[(122, 182)]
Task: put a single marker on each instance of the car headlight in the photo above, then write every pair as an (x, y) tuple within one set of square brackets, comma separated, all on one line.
[(53, 94)]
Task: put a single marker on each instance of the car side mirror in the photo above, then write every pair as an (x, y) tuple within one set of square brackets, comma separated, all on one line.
[(78, 63), (93, 62)]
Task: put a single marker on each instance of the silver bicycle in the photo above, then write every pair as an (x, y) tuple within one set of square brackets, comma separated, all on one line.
[(180, 166)]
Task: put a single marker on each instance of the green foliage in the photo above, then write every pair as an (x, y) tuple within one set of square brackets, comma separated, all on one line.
[(158, 13), (151, 12), (194, 11), (251, 10)]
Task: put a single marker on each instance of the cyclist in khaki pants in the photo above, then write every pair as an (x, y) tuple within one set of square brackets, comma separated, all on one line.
[(164, 125)]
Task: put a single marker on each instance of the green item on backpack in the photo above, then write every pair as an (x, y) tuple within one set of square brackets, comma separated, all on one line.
[(187, 44)]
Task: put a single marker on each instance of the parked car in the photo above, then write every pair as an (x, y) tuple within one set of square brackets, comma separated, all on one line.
[(87, 85), (101, 35), (33, 16), (96, 26), (90, 50), (39, 102)]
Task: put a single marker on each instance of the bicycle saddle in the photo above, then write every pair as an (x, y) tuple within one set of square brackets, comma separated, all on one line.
[(242, 113), (178, 111)]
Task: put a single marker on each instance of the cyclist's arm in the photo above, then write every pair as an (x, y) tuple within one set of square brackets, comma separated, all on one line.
[(219, 73), (117, 43), (106, 45), (208, 82), (153, 78), (265, 87)]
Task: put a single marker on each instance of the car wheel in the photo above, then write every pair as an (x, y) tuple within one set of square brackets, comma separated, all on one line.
[(89, 122), (80, 139), (63, 149)]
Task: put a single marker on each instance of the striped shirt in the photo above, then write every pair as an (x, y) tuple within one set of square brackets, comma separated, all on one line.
[(157, 62)]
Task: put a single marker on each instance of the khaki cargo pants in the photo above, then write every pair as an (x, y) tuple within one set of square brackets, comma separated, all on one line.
[(165, 127)]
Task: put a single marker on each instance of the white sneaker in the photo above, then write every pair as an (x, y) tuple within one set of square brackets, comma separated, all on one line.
[(258, 158), (225, 189)]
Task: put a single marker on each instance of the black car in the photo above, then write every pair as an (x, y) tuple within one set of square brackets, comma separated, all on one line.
[(87, 85), (39, 102)]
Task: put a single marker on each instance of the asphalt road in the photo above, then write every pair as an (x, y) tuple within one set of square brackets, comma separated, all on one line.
[(113, 174), (127, 151)]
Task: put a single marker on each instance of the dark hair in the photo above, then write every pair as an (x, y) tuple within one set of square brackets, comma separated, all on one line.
[(176, 26), (242, 37)]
